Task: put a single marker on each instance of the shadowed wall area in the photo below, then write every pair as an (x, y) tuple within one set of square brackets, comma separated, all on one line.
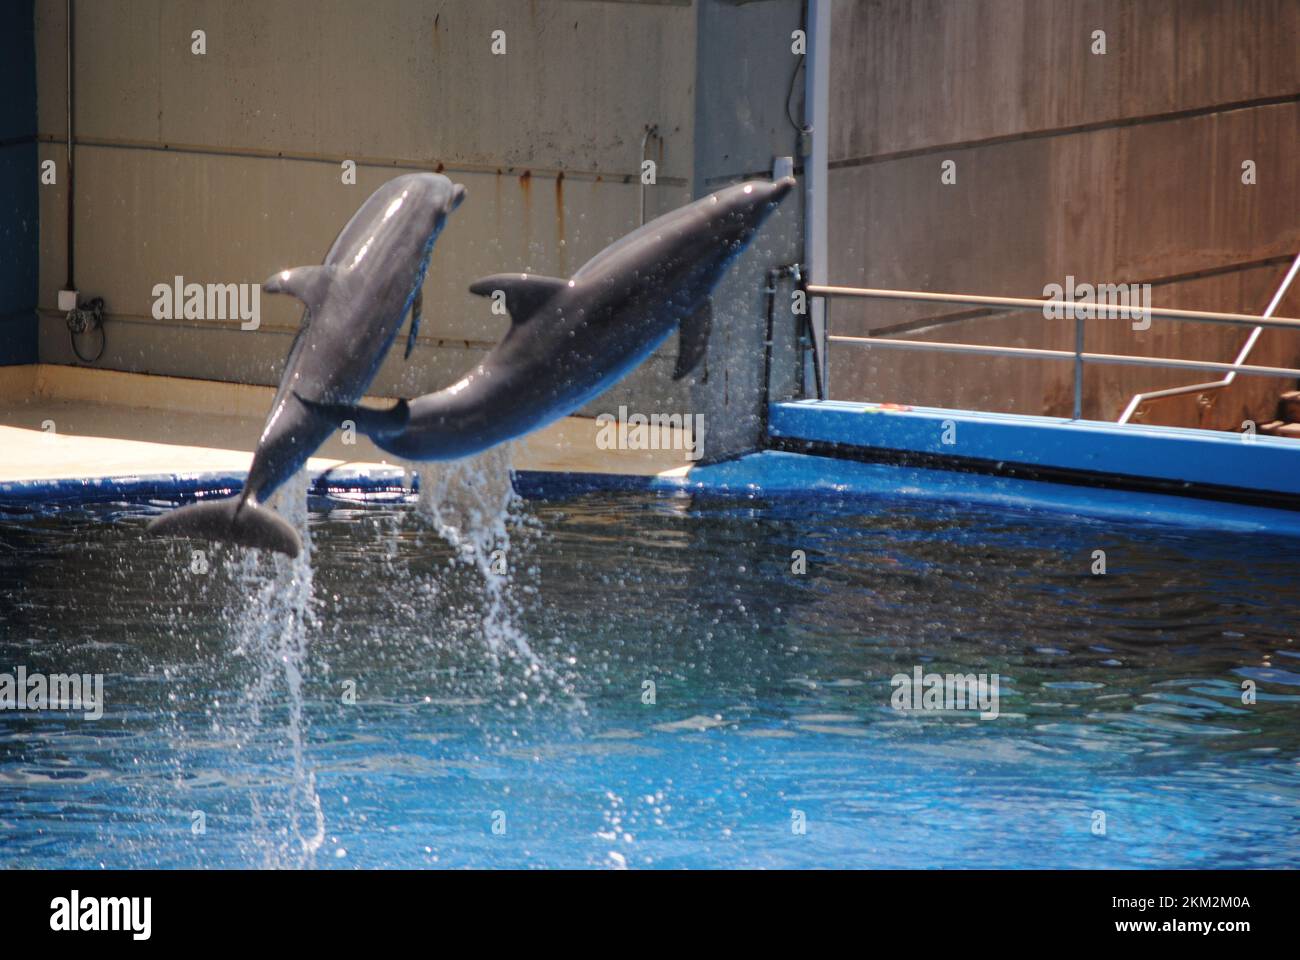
[(18, 215)]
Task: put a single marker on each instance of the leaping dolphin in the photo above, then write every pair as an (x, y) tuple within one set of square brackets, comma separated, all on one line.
[(355, 304), (570, 340)]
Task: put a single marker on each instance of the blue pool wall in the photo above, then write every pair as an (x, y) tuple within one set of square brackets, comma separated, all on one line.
[(19, 217), (1191, 460), (775, 474)]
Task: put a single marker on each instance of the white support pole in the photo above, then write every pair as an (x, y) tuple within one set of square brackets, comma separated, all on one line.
[(815, 169)]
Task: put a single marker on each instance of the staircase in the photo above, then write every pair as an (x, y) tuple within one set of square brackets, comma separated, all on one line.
[(1287, 423)]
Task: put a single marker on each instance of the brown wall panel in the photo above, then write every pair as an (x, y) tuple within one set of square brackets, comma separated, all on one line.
[(1160, 201), (1123, 204), (913, 74)]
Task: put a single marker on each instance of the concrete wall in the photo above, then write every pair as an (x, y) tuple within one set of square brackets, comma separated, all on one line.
[(226, 167), (19, 224), (745, 65), (1116, 168), (1122, 167)]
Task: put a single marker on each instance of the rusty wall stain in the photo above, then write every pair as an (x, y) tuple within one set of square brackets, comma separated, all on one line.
[(497, 200), (561, 244), (526, 187)]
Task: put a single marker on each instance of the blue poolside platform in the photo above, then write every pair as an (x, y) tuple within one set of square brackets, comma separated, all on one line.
[(1141, 473), (815, 449), (1242, 468)]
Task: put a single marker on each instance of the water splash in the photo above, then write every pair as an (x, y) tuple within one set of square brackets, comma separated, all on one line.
[(273, 631), (473, 506)]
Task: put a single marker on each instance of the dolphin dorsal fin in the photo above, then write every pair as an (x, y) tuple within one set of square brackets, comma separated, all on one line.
[(524, 292), (309, 284)]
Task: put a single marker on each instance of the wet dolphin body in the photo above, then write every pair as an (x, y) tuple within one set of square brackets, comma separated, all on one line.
[(570, 340), (355, 304)]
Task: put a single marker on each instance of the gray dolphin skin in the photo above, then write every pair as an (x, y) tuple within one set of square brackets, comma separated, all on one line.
[(570, 340), (355, 304)]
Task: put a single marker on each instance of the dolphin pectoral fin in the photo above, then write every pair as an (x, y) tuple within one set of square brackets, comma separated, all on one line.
[(524, 292), (693, 340), (309, 284), (417, 310), (370, 421)]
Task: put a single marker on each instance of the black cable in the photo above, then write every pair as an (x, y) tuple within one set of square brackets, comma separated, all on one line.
[(71, 169), (80, 325), (790, 95), (103, 344), (803, 27)]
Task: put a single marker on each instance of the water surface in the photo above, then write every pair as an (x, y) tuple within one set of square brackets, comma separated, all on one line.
[(650, 685)]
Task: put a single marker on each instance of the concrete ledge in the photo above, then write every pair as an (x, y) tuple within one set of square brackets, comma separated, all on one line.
[(75, 425)]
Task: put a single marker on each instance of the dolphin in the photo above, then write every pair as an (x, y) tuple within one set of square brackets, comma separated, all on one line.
[(355, 303), (570, 340)]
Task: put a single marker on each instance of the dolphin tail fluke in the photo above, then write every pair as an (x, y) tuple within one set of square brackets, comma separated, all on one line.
[(371, 422), (230, 521), (694, 340)]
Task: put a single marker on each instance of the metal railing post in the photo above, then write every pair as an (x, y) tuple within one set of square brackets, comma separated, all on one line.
[(815, 168), (1078, 366)]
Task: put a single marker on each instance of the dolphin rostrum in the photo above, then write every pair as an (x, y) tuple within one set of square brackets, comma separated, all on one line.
[(570, 340), (355, 304)]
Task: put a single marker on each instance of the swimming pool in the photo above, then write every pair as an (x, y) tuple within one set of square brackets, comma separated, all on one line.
[(424, 710)]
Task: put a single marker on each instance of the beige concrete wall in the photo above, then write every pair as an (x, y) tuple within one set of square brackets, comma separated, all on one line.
[(225, 167), (64, 422), (1117, 168)]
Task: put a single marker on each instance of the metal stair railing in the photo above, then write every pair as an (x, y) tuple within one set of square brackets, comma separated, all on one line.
[(1242, 356)]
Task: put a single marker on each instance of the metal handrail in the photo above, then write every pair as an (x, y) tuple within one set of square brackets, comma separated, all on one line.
[(1034, 353), (1067, 308), (1093, 310), (1247, 347)]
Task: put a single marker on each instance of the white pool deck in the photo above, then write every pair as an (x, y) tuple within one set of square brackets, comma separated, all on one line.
[(76, 423)]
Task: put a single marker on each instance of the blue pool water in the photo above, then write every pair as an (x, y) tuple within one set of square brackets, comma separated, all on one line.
[(422, 710)]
